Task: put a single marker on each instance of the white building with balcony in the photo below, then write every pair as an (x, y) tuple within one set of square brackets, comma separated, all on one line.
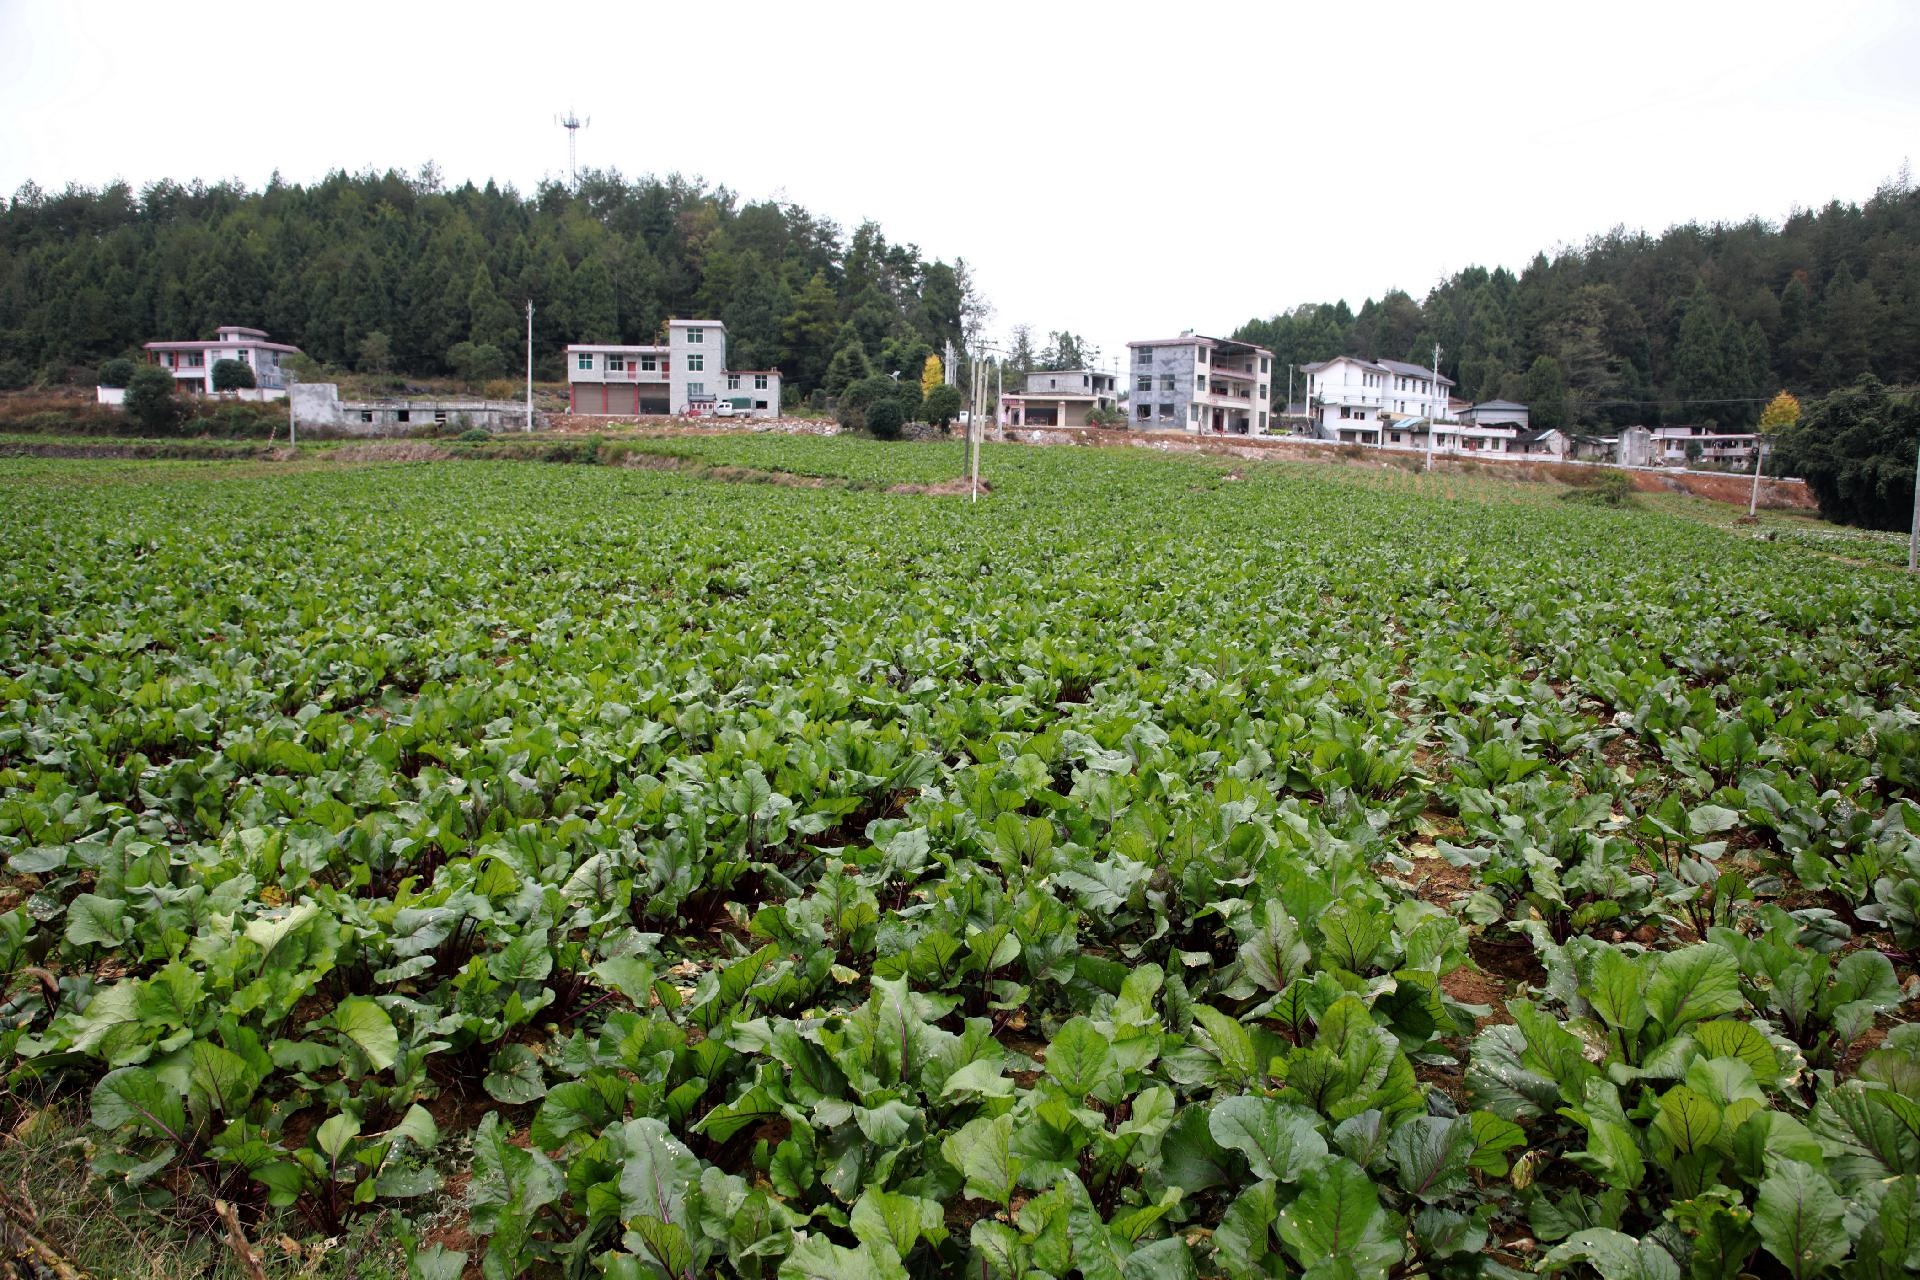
[(191, 363), (688, 374), (1380, 402), (1694, 445), (1214, 386)]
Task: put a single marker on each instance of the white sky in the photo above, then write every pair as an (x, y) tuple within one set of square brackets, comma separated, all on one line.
[(1120, 170)]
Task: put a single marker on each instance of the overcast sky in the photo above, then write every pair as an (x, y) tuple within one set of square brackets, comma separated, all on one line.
[(1120, 170)]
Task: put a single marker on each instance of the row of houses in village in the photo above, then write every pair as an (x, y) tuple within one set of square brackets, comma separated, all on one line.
[(1192, 383)]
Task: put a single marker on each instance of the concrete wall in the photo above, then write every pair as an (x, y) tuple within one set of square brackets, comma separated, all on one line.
[(317, 405), (1176, 362), (712, 350)]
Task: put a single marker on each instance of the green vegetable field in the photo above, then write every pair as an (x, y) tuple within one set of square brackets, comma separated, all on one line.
[(1165, 867)]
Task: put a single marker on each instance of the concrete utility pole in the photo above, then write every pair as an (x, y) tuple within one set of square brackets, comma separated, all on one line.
[(1913, 534), (529, 364), (1753, 499), (1433, 423), (293, 421)]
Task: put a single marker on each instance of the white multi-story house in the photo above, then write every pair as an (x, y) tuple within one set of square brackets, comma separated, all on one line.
[(1683, 446), (1378, 402), (1058, 398), (1195, 383), (688, 374), (191, 363)]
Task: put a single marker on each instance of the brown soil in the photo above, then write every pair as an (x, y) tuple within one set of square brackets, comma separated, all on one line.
[(1475, 986), (1513, 962)]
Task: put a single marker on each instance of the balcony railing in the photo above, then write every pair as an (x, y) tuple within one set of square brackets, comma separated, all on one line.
[(622, 375)]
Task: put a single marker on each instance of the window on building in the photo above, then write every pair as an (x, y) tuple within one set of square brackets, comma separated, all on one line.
[(1263, 364), (1200, 383), (1263, 391), (616, 364), (1396, 437), (1263, 419), (1143, 384), (695, 390), (759, 404), (366, 415), (1199, 355), (405, 415), (1146, 413), (1346, 411), (696, 335), (1166, 382), (1144, 355), (584, 360), (195, 360), (733, 382), (696, 362), (1053, 384), (760, 383), (439, 415), (1166, 413)]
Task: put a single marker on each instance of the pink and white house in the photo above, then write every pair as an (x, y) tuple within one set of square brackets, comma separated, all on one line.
[(191, 363)]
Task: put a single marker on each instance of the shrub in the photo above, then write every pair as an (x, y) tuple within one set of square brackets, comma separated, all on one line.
[(151, 401), (885, 418), (503, 389), (943, 405), (1107, 417), (233, 375), (1611, 490), (13, 375), (116, 372), (475, 435)]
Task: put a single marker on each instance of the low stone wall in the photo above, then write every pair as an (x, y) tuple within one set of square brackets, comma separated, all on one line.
[(671, 424)]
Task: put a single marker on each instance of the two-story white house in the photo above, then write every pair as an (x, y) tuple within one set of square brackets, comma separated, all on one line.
[(1059, 398), (688, 374), (1390, 403), (191, 362), (1194, 383), (1690, 445)]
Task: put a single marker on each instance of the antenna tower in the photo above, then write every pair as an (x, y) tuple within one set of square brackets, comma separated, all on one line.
[(573, 124)]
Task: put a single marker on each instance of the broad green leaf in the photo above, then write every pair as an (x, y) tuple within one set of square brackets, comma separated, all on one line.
[(1799, 1217), (1078, 1058), (97, 921), (1614, 1255), (135, 1096), (1693, 984), (365, 1023), (1337, 1218), (516, 1076), (1281, 1142), (1430, 1156), (982, 1151), (1690, 1120)]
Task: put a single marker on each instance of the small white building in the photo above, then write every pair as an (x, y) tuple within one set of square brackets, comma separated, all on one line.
[(687, 375), (1389, 403), (191, 362), (1059, 398)]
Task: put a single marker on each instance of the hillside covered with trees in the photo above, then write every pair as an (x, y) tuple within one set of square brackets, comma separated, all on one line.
[(1699, 324), (378, 272)]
